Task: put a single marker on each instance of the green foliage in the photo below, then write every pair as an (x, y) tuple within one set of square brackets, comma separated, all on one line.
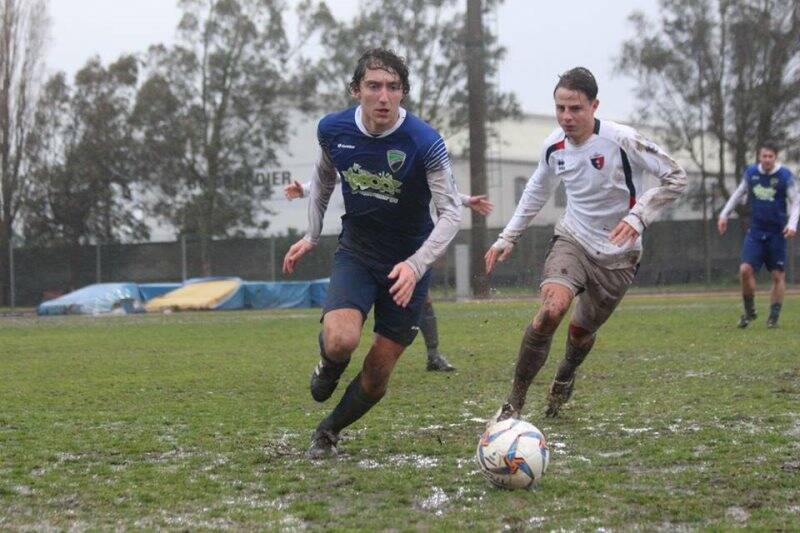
[(431, 35), (718, 68), (82, 157), (680, 421), (212, 112)]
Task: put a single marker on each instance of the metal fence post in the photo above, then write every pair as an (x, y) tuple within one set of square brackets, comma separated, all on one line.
[(98, 263), (272, 257), (183, 257), (11, 277)]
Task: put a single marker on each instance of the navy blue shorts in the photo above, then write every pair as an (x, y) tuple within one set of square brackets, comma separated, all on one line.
[(356, 285), (764, 248)]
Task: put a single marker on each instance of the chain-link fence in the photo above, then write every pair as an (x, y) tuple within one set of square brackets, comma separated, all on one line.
[(674, 255)]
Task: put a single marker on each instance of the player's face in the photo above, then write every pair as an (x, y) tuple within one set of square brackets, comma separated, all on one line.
[(767, 159), (379, 93), (575, 114)]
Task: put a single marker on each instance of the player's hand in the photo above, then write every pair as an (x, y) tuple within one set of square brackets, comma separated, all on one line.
[(623, 235), (297, 250), (722, 225), (480, 205), (499, 251), (789, 232), (293, 190), (403, 288)]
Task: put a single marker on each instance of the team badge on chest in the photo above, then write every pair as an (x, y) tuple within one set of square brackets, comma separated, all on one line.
[(598, 160), (396, 158)]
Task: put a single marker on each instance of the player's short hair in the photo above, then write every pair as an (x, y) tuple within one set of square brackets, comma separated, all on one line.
[(770, 145), (578, 79), (380, 58)]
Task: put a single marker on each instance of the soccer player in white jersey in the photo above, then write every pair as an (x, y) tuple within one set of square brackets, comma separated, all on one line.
[(428, 323), (595, 251)]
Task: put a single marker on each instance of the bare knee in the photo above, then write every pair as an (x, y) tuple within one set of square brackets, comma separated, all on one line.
[(746, 271), (579, 336), (555, 303), (340, 343)]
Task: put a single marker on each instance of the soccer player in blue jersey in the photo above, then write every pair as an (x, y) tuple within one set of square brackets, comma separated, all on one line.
[(775, 204), (391, 164)]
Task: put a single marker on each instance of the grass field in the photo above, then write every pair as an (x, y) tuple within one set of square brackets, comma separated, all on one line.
[(194, 421)]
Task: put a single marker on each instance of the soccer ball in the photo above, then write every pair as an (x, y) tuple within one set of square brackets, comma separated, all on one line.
[(513, 454)]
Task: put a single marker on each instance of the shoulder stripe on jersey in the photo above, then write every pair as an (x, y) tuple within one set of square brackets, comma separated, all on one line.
[(596, 126), (552, 148), (626, 168), (437, 157)]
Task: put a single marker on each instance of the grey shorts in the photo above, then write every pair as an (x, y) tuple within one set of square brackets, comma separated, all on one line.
[(598, 290)]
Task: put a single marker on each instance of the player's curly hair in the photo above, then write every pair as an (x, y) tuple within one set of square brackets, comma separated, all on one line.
[(770, 145), (380, 58), (578, 79)]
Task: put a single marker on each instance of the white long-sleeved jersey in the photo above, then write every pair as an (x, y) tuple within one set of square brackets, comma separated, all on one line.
[(603, 182)]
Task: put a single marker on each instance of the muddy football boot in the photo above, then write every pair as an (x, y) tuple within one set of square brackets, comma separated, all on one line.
[(323, 444), (437, 363), (745, 319), (504, 413), (772, 322), (560, 392)]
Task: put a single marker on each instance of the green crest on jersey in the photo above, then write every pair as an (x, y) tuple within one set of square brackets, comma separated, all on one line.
[(396, 159)]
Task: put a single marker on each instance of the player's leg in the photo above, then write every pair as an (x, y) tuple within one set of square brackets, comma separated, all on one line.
[(361, 395), (776, 262), (752, 258), (536, 341), (341, 332), (394, 331), (563, 277), (430, 333), (349, 299), (605, 289)]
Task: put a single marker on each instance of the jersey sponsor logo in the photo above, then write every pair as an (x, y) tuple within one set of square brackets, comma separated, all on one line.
[(346, 146), (381, 185), (598, 160), (396, 158), (764, 193)]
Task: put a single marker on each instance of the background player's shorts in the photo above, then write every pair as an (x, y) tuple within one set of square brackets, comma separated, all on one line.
[(598, 289), (356, 285), (764, 248)]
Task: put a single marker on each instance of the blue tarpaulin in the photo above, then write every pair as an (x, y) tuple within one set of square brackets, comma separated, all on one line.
[(130, 297), (96, 299)]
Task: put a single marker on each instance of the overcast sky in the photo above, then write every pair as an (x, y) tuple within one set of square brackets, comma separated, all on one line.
[(543, 38)]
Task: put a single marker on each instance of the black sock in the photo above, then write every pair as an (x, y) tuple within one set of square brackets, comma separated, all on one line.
[(429, 328), (354, 404), (749, 305), (775, 310), (532, 355), (573, 358)]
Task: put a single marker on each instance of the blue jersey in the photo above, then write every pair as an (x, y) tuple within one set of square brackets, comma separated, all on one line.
[(384, 184), (768, 194)]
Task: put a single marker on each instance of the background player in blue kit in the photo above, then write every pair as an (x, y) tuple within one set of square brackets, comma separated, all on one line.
[(391, 164), (772, 192)]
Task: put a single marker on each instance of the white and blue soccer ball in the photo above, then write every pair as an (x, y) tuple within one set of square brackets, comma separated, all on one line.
[(513, 454)]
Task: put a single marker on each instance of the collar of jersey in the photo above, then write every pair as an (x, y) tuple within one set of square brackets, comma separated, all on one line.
[(359, 122), (774, 170)]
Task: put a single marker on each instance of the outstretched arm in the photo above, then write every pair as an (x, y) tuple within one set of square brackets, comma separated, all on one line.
[(794, 209), (322, 182), (736, 196)]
